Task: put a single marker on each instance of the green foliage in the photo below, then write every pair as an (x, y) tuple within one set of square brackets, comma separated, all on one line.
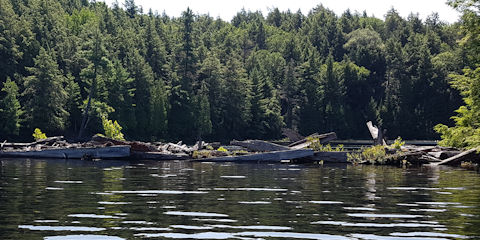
[(45, 94), (316, 146), (398, 143), (374, 155), (222, 149), (38, 134), (10, 110), (112, 129), (195, 76), (466, 132)]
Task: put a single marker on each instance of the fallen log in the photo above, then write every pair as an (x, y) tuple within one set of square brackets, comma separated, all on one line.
[(135, 146), (259, 145), (73, 153), (49, 140), (158, 156), (323, 138), (46, 141), (444, 154), (331, 157), (471, 154), (276, 156)]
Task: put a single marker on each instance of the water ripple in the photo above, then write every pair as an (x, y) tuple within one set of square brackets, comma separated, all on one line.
[(61, 228)]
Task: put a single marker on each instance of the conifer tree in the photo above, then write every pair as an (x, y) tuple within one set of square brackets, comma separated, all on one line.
[(10, 110), (9, 50), (120, 97), (45, 94), (158, 111)]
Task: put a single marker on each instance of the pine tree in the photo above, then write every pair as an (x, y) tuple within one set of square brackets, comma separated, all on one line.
[(332, 89), (211, 73), (120, 97), (180, 124), (201, 113), (143, 80), (236, 110), (45, 94), (309, 112), (10, 110), (158, 111), (9, 50), (289, 96)]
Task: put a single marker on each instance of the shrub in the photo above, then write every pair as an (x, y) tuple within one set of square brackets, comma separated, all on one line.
[(112, 129), (222, 149), (38, 134), (374, 155), (398, 143)]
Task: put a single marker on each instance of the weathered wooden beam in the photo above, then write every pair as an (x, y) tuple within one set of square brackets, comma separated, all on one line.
[(158, 156), (46, 141), (323, 138), (135, 146), (467, 155), (333, 157), (444, 154), (276, 156), (73, 153), (259, 145), (49, 140)]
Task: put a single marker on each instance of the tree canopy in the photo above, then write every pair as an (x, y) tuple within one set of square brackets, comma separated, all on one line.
[(66, 64)]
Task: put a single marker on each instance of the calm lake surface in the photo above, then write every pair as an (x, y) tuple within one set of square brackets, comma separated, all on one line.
[(59, 199)]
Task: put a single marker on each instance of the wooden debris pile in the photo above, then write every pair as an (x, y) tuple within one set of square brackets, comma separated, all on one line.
[(100, 147), (431, 155), (263, 151)]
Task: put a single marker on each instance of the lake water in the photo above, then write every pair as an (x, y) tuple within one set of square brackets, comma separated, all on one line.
[(109, 200)]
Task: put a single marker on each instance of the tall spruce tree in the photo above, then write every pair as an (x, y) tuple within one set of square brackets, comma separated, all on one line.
[(181, 100), (10, 110), (45, 94)]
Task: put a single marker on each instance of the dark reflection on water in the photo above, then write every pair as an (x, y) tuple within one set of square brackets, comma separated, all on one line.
[(58, 199)]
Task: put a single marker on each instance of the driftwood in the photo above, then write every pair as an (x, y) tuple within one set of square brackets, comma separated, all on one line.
[(323, 138), (444, 154), (376, 134), (332, 157), (46, 141), (259, 145), (135, 146), (467, 155), (158, 156), (275, 156), (73, 153)]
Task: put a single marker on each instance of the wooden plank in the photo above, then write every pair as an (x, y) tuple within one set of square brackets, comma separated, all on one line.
[(276, 156), (333, 157), (158, 156), (323, 138), (444, 154), (135, 146), (73, 153), (49, 140), (467, 155), (259, 145)]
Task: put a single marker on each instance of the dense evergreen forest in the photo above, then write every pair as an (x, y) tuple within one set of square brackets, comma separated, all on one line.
[(166, 78)]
